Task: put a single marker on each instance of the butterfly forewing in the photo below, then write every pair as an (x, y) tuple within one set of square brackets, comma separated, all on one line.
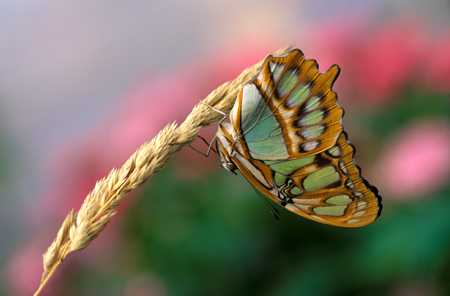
[(290, 110), (286, 138)]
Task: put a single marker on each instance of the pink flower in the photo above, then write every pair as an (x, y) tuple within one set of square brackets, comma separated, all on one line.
[(437, 64), (418, 161), (376, 62), (388, 60), (22, 274)]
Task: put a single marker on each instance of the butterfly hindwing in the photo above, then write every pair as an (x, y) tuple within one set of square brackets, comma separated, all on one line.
[(330, 189), (327, 187)]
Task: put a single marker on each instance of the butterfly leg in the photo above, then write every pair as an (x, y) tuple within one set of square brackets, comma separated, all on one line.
[(210, 148), (206, 142)]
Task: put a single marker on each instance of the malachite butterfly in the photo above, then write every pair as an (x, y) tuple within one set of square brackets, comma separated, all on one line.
[(285, 136)]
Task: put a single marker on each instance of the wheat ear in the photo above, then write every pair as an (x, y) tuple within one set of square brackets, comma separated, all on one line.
[(79, 229)]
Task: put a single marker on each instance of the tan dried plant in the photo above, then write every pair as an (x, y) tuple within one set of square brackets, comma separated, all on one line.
[(79, 229)]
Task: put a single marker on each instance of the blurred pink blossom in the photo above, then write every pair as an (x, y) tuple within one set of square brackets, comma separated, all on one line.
[(20, 273), (335, 44), (417, 162), (377, 62), (388, 60), (437, 64)]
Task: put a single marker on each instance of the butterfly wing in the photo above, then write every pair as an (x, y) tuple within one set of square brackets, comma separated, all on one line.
[(285, 136), (326, 187), (289, 111)]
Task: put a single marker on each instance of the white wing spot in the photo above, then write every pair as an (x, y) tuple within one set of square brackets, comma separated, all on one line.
[(358, 194), (303, 207), (343, 167), (307, 201), (308, 146), (359, 213), (349, 184), (291, 207), (317, 217), (335, 151), (361, 205)]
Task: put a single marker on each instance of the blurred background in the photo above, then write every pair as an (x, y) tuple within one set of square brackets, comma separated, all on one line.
[(83, 84)]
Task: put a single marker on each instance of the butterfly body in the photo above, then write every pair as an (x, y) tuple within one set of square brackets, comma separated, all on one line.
[(285, 136)]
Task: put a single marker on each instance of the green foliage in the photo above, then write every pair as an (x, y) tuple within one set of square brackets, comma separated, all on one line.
[(411, 107), (213, 236)]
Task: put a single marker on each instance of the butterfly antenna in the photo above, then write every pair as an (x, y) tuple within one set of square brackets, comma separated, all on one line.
[(267, 203), (214, 109)]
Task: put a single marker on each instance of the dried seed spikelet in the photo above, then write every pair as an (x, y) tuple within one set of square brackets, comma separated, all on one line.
[(78, 230)]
